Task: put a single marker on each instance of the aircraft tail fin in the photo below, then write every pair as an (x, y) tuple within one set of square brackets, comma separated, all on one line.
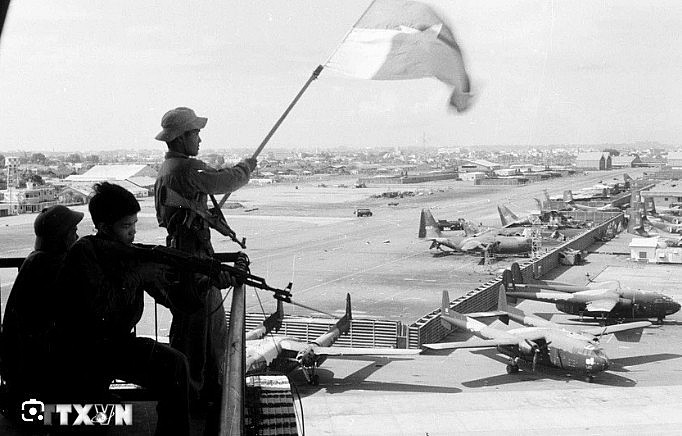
[(445, 303), (517, 277), (272, 322), (544, 191), (503, 220), (649, 205), (502, 300), (539, 202), (457, 318), (568, 196), (469, 229), (627, 179), (428, 224), (503, 306), (509, 285), (506, 215)]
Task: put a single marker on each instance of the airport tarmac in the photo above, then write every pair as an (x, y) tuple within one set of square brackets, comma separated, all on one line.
[(469, 391), (308, 235)]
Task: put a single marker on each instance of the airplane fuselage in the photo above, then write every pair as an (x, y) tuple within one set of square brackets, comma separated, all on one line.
[(631, 304), (562, 349)]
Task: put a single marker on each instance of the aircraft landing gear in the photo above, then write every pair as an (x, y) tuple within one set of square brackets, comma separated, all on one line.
[(310, 376), (589, 378), (513, 366)]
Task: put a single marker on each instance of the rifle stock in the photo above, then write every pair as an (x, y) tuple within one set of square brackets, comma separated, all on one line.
[(214, 216)]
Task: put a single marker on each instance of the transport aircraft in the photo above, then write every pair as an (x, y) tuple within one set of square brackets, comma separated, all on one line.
[(662, 224), (549, 219), (596, 299), (570, 201), (539, 342), (639, 217), (285, 354), (488, 240), (510, 219)]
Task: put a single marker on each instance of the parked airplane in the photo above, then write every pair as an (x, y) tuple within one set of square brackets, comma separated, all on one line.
[(510, 219), (284, 353), (538, 342), (664, 225), (596, 299), (487, 240), (569, 200), (639, 211)]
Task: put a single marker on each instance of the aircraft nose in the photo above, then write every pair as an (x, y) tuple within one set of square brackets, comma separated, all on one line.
[(673, 307)]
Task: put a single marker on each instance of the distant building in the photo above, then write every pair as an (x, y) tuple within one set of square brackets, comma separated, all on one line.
[(72, 195), (664, 194), (478, 165), (594, 160), (30, 199), (472, 176), (650, 250), (625, 161), (138, 179), (643, 249), (675, 159), (507, 172)]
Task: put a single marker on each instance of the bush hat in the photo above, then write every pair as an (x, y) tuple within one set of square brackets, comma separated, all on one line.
[(177, 121), (56, 221)]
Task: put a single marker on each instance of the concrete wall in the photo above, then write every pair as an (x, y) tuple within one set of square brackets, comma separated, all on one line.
[(428, 328)]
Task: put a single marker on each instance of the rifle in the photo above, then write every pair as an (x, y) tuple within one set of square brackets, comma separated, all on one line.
[(214, 216), (209, 266)]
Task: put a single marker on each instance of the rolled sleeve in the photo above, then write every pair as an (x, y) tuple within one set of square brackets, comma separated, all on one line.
[(211, 181)]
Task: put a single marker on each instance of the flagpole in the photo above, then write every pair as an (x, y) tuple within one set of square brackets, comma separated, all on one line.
[(350, 30), (312, 77), (272, 131)]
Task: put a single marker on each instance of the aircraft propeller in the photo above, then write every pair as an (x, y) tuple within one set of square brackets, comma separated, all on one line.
[(536, 349)]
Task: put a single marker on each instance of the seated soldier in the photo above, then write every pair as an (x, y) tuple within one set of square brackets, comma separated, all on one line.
[(27, 324), (101, 300)]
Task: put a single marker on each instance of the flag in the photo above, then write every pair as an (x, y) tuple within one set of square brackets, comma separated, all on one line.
[(402, 39)]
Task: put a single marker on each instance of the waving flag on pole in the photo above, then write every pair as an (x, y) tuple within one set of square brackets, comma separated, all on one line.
[(402, 39)]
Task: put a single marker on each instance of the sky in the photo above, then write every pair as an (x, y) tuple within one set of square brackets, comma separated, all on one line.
[(94, 75)]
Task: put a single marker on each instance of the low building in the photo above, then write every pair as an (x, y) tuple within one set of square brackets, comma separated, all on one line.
[(627, 161), (664, 194), (507, 172), (643, 249), (651, 250), (138, 179), (472, 176), (675, 159), (73, 195), (31, 199), (478, 165), (594, 160)]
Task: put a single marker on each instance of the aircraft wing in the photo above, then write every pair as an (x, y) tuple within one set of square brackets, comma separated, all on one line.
[(356, 351), (603, 305), (475, 343), (597, 331), (292, 345)]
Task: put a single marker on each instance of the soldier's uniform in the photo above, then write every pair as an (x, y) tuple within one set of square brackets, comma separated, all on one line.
[(181, 193)]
